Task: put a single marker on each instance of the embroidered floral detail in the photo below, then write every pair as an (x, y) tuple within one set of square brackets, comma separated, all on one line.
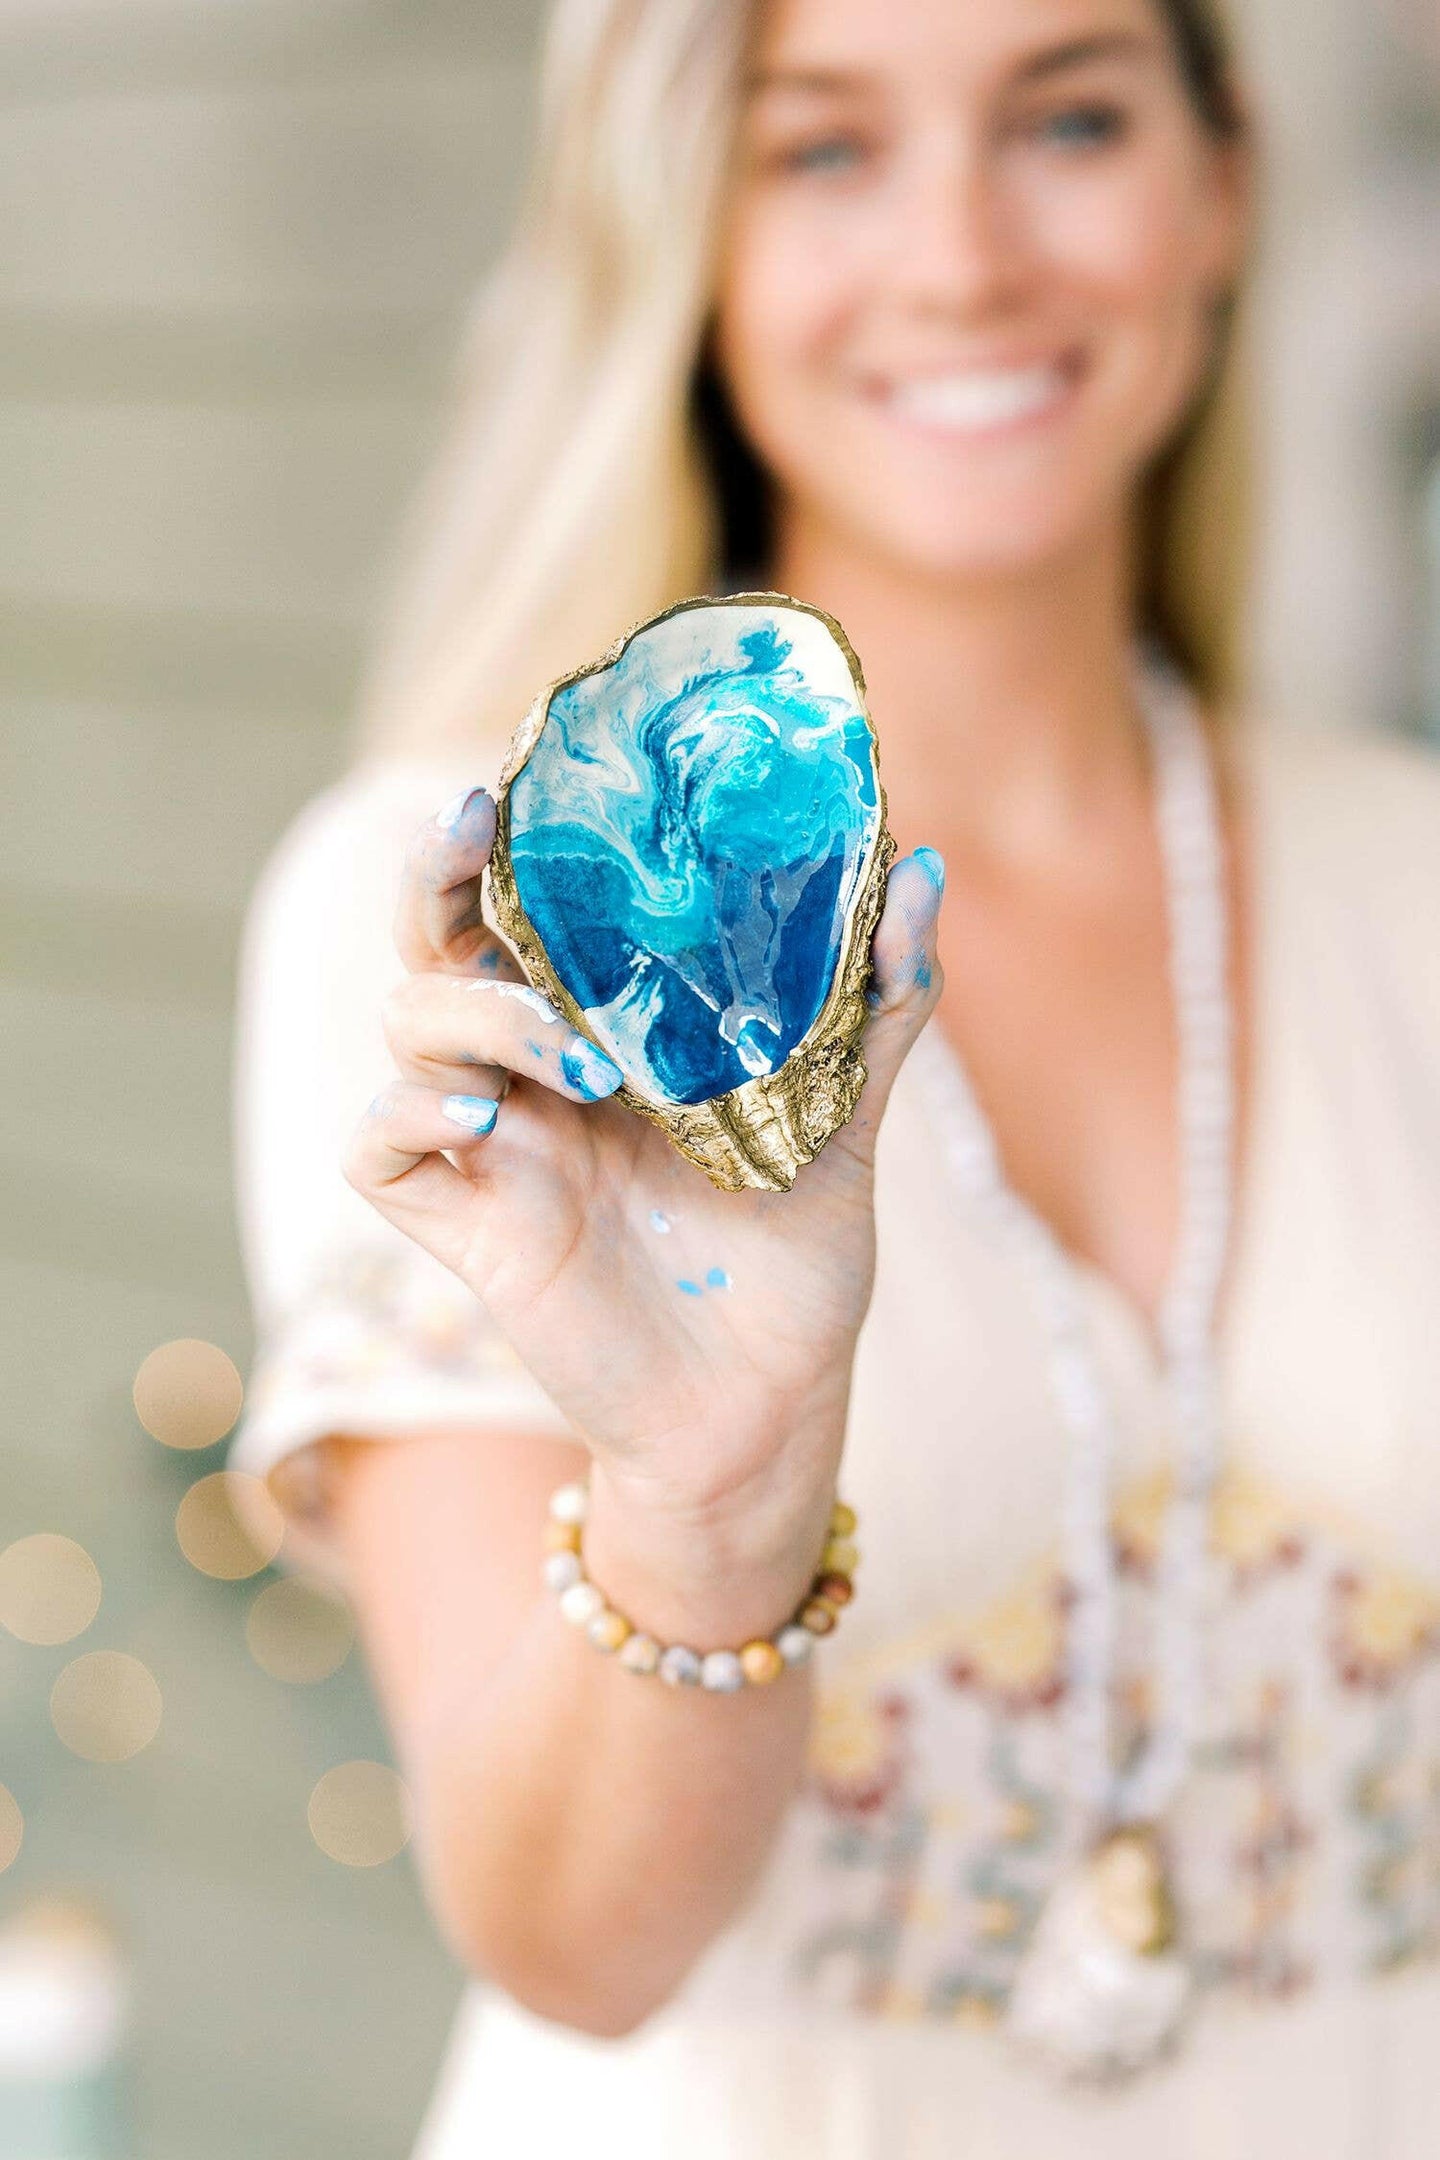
[(1270, 1840), (1251, 1527), (1383, 1623), (1306, 1843), (1385, 1648), (1395, 1797), (857, 1750), (1137, 1521), (1013, 1651)]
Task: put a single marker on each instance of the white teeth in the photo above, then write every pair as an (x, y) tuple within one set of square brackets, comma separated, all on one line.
[(977, 399)]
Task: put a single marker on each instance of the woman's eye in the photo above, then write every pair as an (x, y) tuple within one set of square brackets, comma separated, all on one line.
[(1083, 127), (826, 154)]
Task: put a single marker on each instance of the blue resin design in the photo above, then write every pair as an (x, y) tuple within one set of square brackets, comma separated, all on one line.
[(687, 837)]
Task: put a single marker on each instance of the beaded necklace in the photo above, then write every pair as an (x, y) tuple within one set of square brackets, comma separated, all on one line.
[(1102, 1987)]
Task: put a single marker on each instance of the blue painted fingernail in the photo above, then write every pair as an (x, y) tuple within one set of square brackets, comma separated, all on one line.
[(589, 1071), (932, 862), (477, 1113), (455, 813)]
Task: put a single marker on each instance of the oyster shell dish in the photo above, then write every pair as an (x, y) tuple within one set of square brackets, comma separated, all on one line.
[(690, 861)]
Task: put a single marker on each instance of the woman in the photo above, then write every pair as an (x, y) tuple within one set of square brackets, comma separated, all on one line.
[(918, 313)]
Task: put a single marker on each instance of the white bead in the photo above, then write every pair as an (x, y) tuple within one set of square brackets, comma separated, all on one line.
[(569, 1504), (680, 1667), (560, 1569), (722, 1671), (795, 1644), (581, 1602), (640, 1653)]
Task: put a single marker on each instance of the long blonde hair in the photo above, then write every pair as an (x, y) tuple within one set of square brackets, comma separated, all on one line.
[(584, 483)]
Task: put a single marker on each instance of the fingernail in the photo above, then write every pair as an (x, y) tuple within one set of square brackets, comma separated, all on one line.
[(589, 1071), (477, 1113), (456, 812), (932, 862)]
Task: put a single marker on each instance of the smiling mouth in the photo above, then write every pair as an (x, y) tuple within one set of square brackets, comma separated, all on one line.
[(980, 401)]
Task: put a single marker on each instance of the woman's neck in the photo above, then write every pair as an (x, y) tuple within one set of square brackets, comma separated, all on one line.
[(1005, 711)]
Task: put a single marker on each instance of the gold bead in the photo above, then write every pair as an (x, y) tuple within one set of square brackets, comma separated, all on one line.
[(842, 1520), (835, 1588), (761, 1661), (562, 1537), (817, 1616), (608, 1629), (840, 1557)]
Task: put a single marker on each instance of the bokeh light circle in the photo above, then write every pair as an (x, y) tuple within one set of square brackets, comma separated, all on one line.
[(297, 1632), (12, 1828), (188, 1393), (106, 1706), (228, 1525), (359, 1814), (50, 1589)]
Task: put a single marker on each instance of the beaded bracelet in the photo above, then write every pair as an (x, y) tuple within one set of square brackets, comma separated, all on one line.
[(583, 1603)]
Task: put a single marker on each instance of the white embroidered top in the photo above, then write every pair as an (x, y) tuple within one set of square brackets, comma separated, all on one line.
[(851, 2012)]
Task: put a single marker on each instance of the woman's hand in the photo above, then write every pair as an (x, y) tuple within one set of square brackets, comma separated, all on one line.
[(700, 1341)]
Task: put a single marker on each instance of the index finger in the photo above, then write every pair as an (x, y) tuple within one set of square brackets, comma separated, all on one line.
[(438, 919)]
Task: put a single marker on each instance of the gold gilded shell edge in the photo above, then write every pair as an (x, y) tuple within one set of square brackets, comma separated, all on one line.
[(760, 1134)]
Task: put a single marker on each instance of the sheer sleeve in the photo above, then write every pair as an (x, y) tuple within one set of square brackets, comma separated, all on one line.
[(358, 1329)]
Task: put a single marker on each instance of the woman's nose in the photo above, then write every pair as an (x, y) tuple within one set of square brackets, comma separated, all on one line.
[(958, 248)]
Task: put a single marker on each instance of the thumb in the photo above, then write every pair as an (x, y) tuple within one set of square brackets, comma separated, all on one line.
[(906, 976)]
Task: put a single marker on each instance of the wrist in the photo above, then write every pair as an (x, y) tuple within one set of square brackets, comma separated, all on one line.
[(711, 1581)]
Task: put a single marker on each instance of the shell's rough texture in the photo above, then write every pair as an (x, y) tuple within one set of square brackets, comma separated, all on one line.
[(690, 861)]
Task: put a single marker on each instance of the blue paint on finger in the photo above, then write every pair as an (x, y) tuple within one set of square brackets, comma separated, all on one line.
[(589, 1071), (456, 813), (660, 1224), (932, 862), (715, 1279), (477, 1113)]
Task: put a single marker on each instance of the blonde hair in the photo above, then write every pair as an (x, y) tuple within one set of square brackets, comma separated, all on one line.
[(578, 492)]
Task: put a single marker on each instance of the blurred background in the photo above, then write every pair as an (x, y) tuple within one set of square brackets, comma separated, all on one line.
[(237, 241)]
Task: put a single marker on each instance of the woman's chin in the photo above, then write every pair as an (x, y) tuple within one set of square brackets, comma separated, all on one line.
[(1004, 541)]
